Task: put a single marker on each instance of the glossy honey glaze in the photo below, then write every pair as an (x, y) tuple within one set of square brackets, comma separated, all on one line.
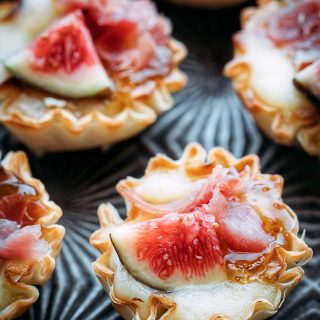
[(19, 202), (9, 9), (265, 266)]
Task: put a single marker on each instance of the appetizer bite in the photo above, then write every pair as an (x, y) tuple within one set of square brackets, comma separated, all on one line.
[(276, 70), (86, 73), (29, 240), (206, 237), (208, 3)]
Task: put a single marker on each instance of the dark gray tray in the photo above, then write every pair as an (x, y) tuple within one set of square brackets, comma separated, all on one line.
[(207, 111)]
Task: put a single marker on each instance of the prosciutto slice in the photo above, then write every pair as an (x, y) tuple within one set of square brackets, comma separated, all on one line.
[(240, 227), (298, 23), (228, 181), (21, 243), (296, 28)]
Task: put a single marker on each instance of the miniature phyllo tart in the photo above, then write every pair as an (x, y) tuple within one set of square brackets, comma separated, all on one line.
[(86, 73), (29, 239), (276, 70), (204, 239)]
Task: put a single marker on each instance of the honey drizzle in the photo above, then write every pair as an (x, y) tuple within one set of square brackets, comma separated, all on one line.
[(266, 266), (9, 9), (19, 201), (245, 268)]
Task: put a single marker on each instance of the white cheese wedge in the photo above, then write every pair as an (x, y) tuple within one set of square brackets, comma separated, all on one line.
[(166, 186), (272, 75)]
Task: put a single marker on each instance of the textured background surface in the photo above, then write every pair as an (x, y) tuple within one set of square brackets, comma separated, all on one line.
[(207, 111)]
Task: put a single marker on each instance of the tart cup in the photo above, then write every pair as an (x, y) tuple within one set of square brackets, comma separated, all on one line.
[(290, 117), (45, 123), (134, 300), (19, 278)]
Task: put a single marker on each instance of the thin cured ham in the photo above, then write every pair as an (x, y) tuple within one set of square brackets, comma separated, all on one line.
[(21, 243), (296, 29), (298, 23), (228, 181), (239, 225)]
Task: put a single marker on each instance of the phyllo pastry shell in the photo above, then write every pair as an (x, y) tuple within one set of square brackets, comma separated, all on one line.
[(206, 237), (273, 71), (29, 238), (109, 84)]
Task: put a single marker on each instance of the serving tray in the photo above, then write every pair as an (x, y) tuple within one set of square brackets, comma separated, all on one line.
[(208, 112)]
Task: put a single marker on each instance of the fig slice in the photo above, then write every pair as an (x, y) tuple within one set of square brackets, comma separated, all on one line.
[(171, 252), (62, 60), (296, 23)]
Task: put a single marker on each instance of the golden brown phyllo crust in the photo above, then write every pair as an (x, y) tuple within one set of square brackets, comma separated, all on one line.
[(247, 285), (18, 278), (47, 122), (292, 119)]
